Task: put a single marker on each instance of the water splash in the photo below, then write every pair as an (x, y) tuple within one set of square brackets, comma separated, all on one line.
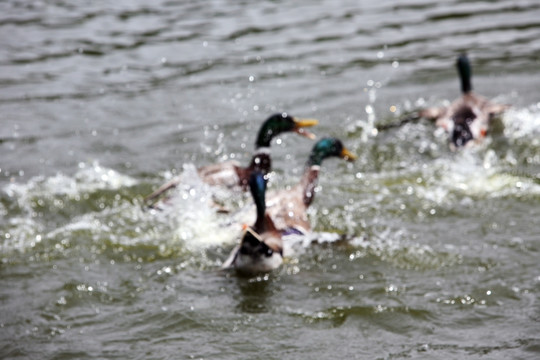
[(38, 208), (523, 123), (191, 211)]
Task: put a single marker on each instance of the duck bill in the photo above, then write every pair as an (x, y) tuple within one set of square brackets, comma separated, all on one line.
[(347, 155), (301, 124)]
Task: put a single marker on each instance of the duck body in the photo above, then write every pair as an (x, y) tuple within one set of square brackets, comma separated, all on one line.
[(288, 208), (467, 119), (256, 253), (261, 246), (231, 174)]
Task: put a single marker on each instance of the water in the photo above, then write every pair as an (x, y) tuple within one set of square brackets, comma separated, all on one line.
[(418, 252)]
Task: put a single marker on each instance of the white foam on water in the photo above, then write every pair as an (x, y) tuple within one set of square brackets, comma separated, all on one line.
[(48, 194), (89, 178), (484, 177), (396, 247), (523, 123)]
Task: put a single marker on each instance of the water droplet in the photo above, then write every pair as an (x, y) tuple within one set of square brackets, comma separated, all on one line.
[(369, 109)]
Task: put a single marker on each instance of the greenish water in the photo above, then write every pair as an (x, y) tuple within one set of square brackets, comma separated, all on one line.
[(418, 251)]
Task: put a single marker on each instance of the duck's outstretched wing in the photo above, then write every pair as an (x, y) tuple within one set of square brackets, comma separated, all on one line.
[(432, 113), (411, 118), (150, 200), (495, 109)]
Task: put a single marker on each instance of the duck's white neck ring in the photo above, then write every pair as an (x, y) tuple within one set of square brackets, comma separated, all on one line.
[(263, 150)]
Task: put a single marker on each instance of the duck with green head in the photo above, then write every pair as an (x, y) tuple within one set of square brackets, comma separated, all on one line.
[(467, 119), (231, 174), (261, 246), (288, 208)]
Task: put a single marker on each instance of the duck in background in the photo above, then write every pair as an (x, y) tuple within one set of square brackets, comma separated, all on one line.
[(261, 246), (468, 117), (288, 208), (231, 174)]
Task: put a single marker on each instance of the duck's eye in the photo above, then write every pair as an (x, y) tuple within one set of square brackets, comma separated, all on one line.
[(269, 252)]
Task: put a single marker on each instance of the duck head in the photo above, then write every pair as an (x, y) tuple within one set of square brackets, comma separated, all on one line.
[(329, 147), (465, 73), (280, 123)]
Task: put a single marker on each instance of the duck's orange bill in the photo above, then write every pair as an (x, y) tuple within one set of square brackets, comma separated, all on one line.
[(347, 155), (303, 123)]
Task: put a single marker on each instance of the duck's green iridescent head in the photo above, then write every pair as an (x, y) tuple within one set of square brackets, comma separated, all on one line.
[(280, 123), (465, 73), (329, 147)]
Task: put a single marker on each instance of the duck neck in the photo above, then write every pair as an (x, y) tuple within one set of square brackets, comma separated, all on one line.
[(465, 74), (261, 161), (260, 222), (260, 203), (309, 183), (466, 86), (315, 158), (264, 138)]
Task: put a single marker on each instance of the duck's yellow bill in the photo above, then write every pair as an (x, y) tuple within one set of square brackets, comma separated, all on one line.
[(303, 123), (347, 155)]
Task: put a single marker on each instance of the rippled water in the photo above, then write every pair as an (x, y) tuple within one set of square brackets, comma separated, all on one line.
[(418, 251)]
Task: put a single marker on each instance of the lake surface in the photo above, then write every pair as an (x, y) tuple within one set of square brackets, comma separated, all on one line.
[(418, 251)]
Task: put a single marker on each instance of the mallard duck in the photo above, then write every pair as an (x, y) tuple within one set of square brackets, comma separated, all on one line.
[(261, 246), (231, 174), (288, 208), (467, 118)]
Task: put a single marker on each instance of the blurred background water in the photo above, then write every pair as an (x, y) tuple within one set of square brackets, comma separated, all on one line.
[(419, 251)]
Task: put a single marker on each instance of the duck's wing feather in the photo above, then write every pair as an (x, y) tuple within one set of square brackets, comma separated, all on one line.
[(495, 109), (288, 210), (171, 184), (432, 113), (225, 174)]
